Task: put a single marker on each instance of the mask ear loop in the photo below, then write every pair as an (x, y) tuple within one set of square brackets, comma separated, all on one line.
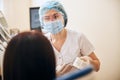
[(42, 22)]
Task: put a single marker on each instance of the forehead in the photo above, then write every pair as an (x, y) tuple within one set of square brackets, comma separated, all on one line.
[(51, 12)]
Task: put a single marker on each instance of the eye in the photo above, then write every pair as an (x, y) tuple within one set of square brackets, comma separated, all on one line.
[(46, 18), (56, 16)]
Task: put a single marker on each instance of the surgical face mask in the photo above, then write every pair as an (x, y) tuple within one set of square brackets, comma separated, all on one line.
[(53, 27)]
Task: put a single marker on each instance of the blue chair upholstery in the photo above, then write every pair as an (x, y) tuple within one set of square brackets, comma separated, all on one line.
[(76, 74)]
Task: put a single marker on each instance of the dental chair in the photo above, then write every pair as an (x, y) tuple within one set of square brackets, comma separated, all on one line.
[(76, 74)]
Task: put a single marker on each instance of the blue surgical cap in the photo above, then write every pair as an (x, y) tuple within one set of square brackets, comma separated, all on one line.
[(55, 5)]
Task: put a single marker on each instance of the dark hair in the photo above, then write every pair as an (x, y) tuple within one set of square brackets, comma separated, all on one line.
[(65, 22), (29, 56)]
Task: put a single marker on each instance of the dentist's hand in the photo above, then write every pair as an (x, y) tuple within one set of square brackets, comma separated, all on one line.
[(86, 59), (66, 68), (81, 62)]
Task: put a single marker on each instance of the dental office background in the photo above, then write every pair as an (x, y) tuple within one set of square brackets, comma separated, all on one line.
[(99, 20)]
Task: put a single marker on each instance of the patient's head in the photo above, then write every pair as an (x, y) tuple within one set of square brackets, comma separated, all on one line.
[(29, 56)]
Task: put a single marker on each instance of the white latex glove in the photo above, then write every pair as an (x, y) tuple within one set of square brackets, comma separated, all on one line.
[(62, 69), (81, 62)]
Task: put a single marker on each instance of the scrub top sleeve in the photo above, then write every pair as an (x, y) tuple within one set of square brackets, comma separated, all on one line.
[(85, 45)]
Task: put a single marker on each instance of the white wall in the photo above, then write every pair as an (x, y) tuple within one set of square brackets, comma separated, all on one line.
[(35, 3), (17, 13), (1, 4)]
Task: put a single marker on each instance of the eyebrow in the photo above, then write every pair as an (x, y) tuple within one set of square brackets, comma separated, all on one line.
[(53, 14), (56, 14)]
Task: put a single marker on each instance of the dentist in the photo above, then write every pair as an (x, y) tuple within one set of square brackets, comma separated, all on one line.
[(67, 44)]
